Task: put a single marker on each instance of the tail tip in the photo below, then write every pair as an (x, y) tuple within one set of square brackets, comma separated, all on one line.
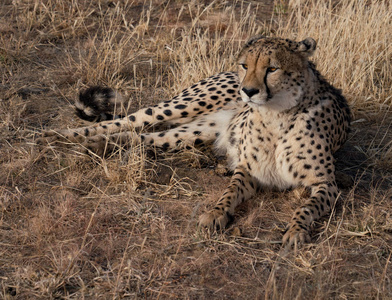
[(97, 103)]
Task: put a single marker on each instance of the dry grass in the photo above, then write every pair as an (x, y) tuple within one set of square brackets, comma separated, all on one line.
[(79, 227)]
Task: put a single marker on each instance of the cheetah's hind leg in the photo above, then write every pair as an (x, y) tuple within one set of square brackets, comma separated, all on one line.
[(204, 130)]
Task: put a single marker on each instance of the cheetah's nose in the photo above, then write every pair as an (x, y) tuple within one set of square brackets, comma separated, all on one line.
[(250, 92)]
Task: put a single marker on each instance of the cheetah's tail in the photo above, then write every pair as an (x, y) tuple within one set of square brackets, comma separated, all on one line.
[(97, 104)]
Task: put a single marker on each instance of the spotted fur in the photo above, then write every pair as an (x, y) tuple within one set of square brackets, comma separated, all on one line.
[(277, 120)]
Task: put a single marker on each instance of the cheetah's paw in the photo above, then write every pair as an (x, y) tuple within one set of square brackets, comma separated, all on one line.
[(295, 235), (98, 144), (62, 137), (48, 137), (214, 219)]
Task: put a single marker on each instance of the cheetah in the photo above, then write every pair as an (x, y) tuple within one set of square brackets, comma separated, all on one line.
[(277, 120)]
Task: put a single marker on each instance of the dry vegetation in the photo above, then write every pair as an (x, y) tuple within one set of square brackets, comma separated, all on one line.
[(80, 227)]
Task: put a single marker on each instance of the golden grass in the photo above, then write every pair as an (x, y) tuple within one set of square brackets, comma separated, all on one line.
[(355, 46), (79, 227)]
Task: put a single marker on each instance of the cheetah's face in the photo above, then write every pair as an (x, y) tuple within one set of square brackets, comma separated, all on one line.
[(273, 71)]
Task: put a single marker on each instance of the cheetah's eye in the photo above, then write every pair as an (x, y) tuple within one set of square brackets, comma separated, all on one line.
[(271, 69), (245, 66)]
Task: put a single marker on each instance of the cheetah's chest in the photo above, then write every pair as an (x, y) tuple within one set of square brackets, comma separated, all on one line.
[(259, 149)]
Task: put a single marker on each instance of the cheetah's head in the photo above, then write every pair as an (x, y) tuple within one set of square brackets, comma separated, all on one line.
[(273, 71)]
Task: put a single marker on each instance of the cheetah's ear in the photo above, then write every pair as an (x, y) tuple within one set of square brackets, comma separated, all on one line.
[(254, 39), (307, 46)]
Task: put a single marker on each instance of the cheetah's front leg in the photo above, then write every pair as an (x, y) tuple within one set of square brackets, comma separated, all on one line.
[(322, 199), (242, 187)]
